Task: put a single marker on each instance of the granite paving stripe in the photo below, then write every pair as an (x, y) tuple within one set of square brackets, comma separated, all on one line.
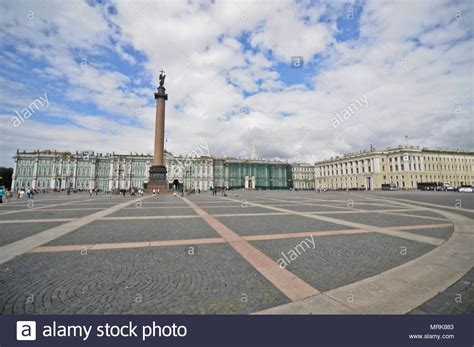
[(254, 225), (16, 248), (383, 219), (357, 211), (54, 209), (164, 204), (150, 217), (436, 207), (65, 248), (124, 245), (13, 232), (107, 231), (12, 208), (41, 207), (145, 207), (420, 226), (303, 234), (439, 233), (293, 287), (413, 215), (233, 205), (45, 214), (13, 221), (408, 236), (319, 208), (415, 237), (98, 204), (370, 207), (172, 242), (421, 212), (250, 214), (338, 260), (283, 204), (140, 211), (118, 245), (234, 210)]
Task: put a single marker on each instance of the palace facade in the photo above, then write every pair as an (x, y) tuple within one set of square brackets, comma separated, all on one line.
[(303, 176), (88, 170), (403, 167)]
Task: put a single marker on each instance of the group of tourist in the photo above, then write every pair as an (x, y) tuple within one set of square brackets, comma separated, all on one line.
[(6, 194), (29, 193), (215, 190)]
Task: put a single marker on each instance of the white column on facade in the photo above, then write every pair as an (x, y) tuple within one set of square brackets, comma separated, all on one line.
[(111, 175), (92, 174), (52, 180), (35, 174), (74, 176), (61, 174)]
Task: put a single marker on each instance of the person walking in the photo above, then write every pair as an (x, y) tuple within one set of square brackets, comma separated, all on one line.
[(2, 193)]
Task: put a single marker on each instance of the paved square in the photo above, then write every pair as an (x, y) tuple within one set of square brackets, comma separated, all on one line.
[(203, 253), (339, 260), (105, 231)]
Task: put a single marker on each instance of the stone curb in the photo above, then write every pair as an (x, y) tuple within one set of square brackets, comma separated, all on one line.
[(400, 289)]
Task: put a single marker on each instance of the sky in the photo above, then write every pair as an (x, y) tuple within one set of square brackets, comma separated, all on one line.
[(299, 80)]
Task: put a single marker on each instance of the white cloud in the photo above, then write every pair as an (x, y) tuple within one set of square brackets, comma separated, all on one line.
[(286, 35), (413, 60)]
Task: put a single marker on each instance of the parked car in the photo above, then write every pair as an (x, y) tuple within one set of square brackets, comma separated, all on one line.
[(465, 189)]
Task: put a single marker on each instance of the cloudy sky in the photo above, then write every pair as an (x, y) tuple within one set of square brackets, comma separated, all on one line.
[(231, 79)]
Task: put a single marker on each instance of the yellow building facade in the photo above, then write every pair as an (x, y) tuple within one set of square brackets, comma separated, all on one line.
[(403, 167)]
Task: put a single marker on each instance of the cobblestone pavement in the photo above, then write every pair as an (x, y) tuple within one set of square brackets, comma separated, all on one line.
[(214, 279), (448, 199), (340, 260), (160, 254), (11, 232), (457, 299)]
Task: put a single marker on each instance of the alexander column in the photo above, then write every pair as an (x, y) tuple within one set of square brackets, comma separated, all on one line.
[(158, 170)]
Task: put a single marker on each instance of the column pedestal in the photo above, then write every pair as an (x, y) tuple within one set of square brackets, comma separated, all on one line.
[(157, 179)]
